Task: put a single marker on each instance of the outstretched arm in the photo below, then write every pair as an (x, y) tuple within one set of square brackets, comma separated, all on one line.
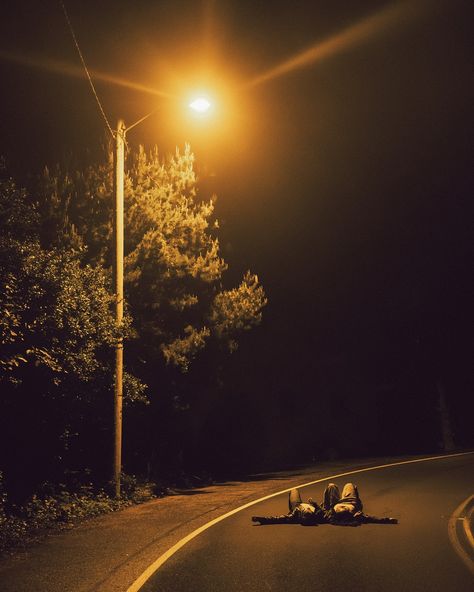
[(283, 519), (367, 519)]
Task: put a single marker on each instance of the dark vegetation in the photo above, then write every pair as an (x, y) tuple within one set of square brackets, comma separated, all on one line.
[(204, 397), (57, 334)]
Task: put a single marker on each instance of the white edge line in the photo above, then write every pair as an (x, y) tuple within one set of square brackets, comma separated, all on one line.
[(453, 533), (151, 569)]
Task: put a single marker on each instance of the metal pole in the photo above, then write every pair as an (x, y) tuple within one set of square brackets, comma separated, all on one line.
[(118, 273)]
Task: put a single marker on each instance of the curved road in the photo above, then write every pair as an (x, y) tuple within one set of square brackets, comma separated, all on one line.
[(415, 555)]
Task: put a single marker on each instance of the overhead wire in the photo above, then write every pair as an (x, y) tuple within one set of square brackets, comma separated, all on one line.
[(94, 92)]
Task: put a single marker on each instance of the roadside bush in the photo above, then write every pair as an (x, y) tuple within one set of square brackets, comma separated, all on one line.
[(19, 525)]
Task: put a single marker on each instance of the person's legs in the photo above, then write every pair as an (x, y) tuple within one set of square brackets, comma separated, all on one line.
[(350, 495), (331, 496), (294, 499)]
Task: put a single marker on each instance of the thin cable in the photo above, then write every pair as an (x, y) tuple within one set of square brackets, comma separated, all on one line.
[(142, 119), (85, 68)]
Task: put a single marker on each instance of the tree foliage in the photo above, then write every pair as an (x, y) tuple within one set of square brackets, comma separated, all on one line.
[(56, 313), (57, 327), (174, 270), (173, 267), (57, 331)]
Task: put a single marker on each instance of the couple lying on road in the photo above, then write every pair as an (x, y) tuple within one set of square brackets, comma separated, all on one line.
[(335, 509)]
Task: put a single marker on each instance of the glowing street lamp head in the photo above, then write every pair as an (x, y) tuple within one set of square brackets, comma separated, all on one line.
[(200, 105)]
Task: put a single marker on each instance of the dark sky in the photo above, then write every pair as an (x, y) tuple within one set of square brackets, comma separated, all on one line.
[(345, 184)]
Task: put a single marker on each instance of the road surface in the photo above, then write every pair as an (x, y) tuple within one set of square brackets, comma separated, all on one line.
[(415, 555)]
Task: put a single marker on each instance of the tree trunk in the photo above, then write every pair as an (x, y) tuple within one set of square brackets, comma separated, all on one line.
[(445, 420)]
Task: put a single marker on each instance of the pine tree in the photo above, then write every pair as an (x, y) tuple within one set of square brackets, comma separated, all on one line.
[(174, 270), (174, 273)]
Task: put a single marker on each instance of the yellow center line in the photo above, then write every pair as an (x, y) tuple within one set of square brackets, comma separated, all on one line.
[(467, 524), (453, 535)]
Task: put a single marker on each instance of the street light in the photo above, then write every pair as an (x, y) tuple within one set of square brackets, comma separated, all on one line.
[(200, 105)]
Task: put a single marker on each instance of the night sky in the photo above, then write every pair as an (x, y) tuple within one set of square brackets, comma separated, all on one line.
[(345, 184)]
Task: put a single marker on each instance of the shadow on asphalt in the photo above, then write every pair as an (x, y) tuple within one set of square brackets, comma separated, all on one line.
[(202, 489), (280, 476)]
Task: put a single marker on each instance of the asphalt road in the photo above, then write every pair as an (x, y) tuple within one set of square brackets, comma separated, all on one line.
[(415, 555)]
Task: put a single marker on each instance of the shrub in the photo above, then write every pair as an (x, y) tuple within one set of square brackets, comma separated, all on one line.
[(19, 525)]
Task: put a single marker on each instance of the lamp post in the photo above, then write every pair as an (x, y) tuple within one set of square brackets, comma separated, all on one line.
[(200, 105), (119, 173)]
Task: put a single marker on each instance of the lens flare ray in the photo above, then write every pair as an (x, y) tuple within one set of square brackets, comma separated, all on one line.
[(353, 35), (77, 72)]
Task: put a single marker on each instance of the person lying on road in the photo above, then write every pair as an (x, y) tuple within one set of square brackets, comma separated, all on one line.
[(335, 509)]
